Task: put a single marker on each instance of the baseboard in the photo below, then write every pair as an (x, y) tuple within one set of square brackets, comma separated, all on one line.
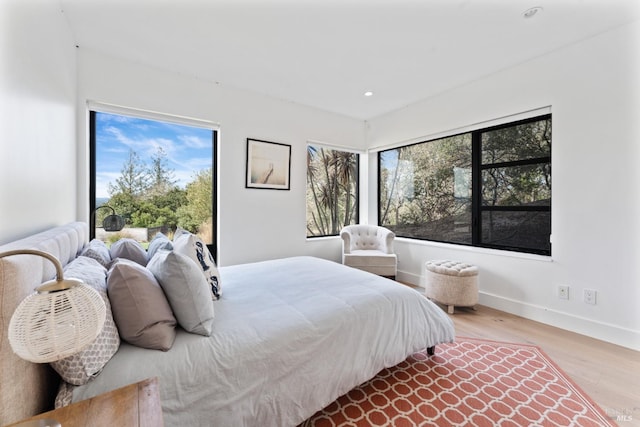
[(581, 325), (414, 279)]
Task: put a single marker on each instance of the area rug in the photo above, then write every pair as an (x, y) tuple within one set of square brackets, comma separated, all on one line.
[(470, 382)]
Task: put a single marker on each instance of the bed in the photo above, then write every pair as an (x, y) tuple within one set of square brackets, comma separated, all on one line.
[(289, 337)]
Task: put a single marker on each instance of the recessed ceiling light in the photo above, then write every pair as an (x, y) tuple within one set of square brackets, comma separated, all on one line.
[(531, 12), (368, 93)]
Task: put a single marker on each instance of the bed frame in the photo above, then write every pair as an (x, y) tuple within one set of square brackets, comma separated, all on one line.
[(27, 388)]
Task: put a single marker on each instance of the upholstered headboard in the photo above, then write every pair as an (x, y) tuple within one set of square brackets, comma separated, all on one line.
[(27, 388)]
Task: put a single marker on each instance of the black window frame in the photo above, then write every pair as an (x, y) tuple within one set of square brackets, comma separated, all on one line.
[(477, 207), (213, 246)]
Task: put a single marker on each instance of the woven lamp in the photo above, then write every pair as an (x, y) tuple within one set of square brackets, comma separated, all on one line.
[(60, 319)]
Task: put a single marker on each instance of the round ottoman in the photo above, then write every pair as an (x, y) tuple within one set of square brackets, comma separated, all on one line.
[(452, 283)]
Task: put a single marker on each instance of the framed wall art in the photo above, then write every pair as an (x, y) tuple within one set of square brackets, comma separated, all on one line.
[(268, 165)]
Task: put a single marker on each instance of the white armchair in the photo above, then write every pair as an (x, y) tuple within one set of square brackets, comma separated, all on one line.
[(369, 248)]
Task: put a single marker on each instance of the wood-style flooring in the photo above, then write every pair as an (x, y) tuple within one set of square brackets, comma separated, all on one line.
[(608, 373)]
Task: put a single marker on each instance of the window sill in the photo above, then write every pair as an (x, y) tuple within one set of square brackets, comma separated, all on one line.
[(322, 238), (474, 249)]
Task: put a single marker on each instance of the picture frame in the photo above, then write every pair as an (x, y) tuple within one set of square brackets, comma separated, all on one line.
[(268, 165)]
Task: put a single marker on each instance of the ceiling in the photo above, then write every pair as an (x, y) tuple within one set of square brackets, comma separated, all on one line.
[(328, 53)]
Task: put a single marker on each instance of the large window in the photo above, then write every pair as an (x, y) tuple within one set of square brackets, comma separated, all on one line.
[(157, 174), (490, 188), (332, 190)]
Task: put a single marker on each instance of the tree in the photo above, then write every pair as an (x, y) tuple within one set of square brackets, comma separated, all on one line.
[(133, 180), (331, 190), (420, 191), (147, 196), (161, 178), (125, 204), (198, 209), (425, 188), (317, 220), (159, 210), (345, 168)]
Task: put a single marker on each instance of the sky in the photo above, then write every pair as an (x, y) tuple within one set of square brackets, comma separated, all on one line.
[(188, 149)]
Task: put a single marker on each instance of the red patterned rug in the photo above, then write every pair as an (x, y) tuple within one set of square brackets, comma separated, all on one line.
[(468, 383)]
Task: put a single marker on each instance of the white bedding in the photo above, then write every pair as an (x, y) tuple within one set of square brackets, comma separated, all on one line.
[(290, 336)]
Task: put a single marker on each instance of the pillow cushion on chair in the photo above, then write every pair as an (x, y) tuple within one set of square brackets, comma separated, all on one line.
[(373, 258), (192, 246), (140, 307), (79, 368)]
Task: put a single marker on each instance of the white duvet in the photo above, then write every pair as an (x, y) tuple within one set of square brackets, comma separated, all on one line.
[(290, 336)]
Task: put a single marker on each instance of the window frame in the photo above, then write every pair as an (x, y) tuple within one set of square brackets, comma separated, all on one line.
[(100, 108), (358, 155), (477, 167)]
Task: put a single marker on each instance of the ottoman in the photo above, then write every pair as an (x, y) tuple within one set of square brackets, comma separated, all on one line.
[(452, 283)]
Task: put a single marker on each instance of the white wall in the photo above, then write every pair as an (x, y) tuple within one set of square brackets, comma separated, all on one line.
[(594, 93), (254, 224), (37, 119)]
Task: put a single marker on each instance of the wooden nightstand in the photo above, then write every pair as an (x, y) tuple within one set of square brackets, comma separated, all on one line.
[(134, 405)]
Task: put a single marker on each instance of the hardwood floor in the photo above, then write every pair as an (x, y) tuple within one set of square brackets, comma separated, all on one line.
[(608, 373)]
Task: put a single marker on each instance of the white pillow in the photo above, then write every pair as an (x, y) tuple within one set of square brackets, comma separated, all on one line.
[(186, 289), (192, 246)]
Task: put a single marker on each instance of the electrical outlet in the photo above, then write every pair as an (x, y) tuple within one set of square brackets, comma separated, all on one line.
[(590, 296), (563, 292)]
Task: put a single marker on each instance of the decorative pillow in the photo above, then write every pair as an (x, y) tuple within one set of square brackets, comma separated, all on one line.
[(64, 397), (159, 241), (179, 232), (192, 246), (81, 367), (140, 308), (129, 249), (99, 251), (186, 289)]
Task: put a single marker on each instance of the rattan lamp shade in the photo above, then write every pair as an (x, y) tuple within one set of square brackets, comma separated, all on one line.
[(60, 319)]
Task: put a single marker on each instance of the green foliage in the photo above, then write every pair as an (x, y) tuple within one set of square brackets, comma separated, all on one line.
[(149, 197), (198, 209), (134, 178), (425, 188), (332, 194), (161, 178), (419, 181)]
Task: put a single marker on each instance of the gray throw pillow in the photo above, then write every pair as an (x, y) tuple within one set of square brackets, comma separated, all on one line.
[(186, 289), (140, 308), (99, 251), (159, 241), (129, 249)]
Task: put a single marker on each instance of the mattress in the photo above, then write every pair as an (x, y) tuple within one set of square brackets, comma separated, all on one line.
[(290, 336)]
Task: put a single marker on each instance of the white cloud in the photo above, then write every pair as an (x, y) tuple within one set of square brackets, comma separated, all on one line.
[(192, 141)]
